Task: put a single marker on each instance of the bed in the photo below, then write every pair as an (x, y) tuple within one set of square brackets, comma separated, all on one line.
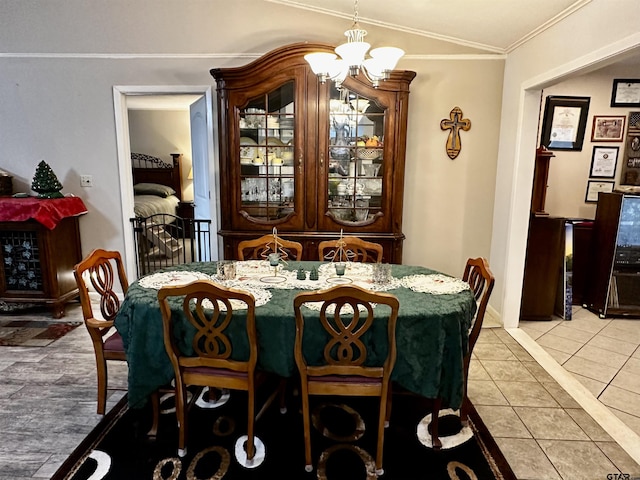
[(159, 232), (157, 185)]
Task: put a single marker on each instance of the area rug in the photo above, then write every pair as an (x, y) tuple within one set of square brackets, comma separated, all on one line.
[(343, 444), (33, 333)]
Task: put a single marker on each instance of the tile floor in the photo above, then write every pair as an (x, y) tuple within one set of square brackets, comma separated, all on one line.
[(47, 401), (545, 422), (602, 354)]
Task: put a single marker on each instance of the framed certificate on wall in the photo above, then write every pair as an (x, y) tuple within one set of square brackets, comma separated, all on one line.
[(564, 123), (594, 187), (603, 162), (625, 92)]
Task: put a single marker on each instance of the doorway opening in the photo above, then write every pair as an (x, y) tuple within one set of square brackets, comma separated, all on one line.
[(198, 100)]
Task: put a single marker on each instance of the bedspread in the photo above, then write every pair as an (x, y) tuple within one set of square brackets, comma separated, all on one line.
[(147, 205)]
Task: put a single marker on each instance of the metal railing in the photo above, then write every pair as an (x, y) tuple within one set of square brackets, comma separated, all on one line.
[(165, 240)]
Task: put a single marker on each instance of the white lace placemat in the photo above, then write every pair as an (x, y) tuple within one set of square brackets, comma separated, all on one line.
[(165, 279), (345, 310), (436, 284), (261, 296)]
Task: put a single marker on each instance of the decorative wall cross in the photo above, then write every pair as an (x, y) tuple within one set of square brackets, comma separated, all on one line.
[(455, 123)]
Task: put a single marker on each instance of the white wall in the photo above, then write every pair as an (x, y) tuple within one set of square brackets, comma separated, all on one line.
[(448, 205), (161, 133)]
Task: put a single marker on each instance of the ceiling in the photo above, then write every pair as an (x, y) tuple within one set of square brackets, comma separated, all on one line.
[(494, 25)]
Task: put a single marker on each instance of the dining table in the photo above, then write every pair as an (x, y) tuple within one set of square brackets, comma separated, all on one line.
[(435, 315)]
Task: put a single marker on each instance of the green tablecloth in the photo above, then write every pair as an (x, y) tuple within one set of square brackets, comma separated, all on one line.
[(431, 337)]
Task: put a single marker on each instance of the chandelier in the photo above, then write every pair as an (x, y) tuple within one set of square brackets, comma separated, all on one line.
[(350, 58)]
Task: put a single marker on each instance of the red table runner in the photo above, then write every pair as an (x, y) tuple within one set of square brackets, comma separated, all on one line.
[(48, 212)]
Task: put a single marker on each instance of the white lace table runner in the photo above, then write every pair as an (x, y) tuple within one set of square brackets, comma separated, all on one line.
[(360, 274), (260, 274), (436, 284)]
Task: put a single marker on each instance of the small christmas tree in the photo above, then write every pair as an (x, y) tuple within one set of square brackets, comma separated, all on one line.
[(45, 182), (313, 274), (301, 275)]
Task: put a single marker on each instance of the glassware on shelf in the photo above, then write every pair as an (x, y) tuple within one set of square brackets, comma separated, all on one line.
[(371, 169), (362, 209)]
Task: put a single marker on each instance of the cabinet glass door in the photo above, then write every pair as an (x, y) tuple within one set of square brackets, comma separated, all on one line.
[(356, 158), (266, 153)]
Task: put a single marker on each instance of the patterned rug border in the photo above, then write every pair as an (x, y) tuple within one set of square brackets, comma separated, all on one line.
[(490, 449)]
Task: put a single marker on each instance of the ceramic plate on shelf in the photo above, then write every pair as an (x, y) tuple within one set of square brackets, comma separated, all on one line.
[(274, 145), (248, 150)]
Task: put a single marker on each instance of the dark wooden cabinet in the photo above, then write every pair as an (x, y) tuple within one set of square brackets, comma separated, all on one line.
[(36, 263), (614, 288), (543, 266), (556, 267), (186, 212), (293, 154)]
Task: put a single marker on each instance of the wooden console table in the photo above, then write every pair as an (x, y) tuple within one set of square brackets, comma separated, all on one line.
[(39, 246)]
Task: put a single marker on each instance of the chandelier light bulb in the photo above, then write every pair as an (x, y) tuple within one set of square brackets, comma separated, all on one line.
[(350, 59), (353, 54)]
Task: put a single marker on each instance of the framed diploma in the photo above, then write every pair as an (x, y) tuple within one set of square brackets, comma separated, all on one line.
[(603, 162), (564, 123), (594, 187), (625, 92)]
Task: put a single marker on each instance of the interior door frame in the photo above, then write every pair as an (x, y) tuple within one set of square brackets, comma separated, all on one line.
[(120, 94)]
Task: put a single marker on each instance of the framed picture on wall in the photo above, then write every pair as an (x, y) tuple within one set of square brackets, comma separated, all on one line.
[(625, 92), (608, 128), (564, 122), (594, 187), (603, 162)]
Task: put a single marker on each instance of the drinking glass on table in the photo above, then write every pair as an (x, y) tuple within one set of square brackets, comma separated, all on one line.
[(381, 273), (226, 269)]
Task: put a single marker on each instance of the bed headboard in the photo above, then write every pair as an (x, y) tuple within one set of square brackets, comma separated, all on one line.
[(150, 169)]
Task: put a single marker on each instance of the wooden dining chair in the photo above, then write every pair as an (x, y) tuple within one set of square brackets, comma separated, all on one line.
[(480, 279), (260, 248), (103, 271), (354, 249), (213, 310), (346, 316)]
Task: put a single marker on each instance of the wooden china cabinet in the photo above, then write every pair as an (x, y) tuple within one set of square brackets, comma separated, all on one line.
[(294, 153)]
